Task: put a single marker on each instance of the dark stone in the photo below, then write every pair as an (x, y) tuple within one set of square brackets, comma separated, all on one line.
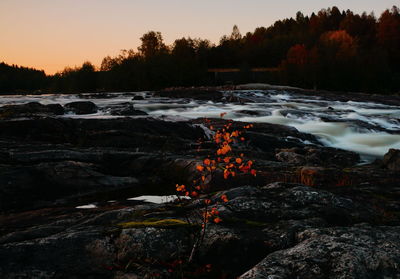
[(250, 112), (126, 109), (391, 160), (50, 165), (278, 229), (138, 98), (30, 109), (56, 109), (317, 156), (81, 107), (347, 252)]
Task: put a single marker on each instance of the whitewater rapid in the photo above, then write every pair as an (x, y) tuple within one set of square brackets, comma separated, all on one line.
[(367, 128)]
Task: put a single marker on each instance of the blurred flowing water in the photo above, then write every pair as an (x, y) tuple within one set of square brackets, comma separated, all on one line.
[(370, 129)]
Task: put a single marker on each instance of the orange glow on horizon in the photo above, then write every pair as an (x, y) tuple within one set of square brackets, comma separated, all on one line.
[(52, 35)]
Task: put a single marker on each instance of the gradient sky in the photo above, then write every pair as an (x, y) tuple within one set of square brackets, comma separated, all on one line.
[(52, 34)]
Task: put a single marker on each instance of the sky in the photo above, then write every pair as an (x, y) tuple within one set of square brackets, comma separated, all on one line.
[(53, 34)]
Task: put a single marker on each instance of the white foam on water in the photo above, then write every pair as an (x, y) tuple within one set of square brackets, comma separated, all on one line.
[(275, 118), (375, 144), (86, 206), (306, 117), (157, 199)]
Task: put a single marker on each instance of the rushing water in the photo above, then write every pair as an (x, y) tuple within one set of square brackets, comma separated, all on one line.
[(368, 128)]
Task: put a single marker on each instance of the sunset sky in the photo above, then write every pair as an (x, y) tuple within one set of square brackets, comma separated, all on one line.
[(52, 34)]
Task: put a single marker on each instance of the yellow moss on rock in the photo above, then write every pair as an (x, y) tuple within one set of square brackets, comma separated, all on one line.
[(164, 223)]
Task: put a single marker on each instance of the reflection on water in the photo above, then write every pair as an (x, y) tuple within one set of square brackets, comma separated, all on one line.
[(364, 127)]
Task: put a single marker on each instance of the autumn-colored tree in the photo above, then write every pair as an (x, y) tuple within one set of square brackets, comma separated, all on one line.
[(223, 159), (297, 55), (339, 42), (295, 67)]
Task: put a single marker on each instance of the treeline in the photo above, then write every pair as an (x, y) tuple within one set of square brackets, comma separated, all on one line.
[(14, 78), (333, 49)]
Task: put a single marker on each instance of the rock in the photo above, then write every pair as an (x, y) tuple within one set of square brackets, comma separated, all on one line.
[(287, 155), (348, 252), (294, 227), (251, 112), (315, 176), (391, 160), (64, 253), (147, 134), (56, 109), (243, 243), (138, 98), (48, 166), (30, 109), (296, 200), (151, 243), (317, 156), (56, 183), (81, 107), (126, 109)]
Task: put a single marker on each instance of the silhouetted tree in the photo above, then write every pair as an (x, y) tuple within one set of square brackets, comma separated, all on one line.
[(14, 78), (152, 44)]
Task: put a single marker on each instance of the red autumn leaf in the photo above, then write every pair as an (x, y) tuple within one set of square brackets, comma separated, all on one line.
[(235, 134), (194, 194), (199, 168), (180, 188), (226, 174), (217, 220)]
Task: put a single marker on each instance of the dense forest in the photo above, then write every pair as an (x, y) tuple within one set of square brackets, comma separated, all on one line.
[(333, 49)]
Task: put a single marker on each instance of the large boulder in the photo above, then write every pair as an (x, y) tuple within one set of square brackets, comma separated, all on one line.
[(30, 109), (81, 107), (126, 109), (346, 252), (391, 160), (317, 156)]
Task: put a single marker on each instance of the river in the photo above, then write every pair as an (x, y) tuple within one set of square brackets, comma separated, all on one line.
[(368, 128)]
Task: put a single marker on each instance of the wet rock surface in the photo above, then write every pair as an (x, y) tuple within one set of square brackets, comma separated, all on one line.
[(311, 211), (31, 109), (391, 160), (81, 107), (126, 109), (360, 251)]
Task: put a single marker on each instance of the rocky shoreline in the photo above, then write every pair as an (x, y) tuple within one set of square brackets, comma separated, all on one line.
[(311, 211)]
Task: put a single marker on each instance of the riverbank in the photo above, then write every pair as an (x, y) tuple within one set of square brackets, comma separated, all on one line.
[(307, 202)]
